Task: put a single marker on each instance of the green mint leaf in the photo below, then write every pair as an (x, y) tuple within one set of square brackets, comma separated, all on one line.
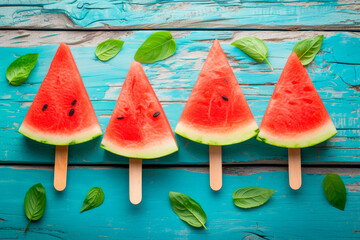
[(108, 49), (95, 197), (254, 48), (335, 190), (157, 47), (35, 203), (307, 49), (249, 197), (187, 209), (20, 69)]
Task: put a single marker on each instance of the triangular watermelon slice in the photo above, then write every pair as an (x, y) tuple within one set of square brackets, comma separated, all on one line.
[(61, 113), (217, 112), (138, 126), (296, 117)]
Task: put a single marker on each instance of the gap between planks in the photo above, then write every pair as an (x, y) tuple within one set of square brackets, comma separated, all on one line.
[(284, 28), (239, 170), (265, 163)]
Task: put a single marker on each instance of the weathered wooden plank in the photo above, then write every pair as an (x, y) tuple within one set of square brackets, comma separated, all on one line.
[(270, 14), (302, 214), (335, 74)]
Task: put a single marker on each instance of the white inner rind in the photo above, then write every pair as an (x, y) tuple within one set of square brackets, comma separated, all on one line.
[(300, 140), (213, 137), (154, 150), (58, 139)]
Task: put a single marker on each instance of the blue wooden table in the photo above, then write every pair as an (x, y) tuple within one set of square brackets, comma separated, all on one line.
[(40, 25)]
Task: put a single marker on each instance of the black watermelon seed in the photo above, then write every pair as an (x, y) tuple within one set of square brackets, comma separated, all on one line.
[(72, 111), (156, 114), (73, 102), (225, 98), (121, 117), (44, 107)]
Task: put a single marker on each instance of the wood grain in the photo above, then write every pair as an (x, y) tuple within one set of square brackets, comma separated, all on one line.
[(60, 169), (135, 180), (335, 73), (215, 167), (302, 214), (190, 14), (295, 168)]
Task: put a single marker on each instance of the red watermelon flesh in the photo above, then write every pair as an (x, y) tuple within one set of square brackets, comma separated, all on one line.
[(138, 126), (61, 113), (216, 112), (296, 117)]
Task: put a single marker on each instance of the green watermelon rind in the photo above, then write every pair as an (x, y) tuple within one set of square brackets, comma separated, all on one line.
[(159, 149), (314, 137), (209, 137), (52, 139)]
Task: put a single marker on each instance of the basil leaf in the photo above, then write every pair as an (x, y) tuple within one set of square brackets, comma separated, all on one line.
[(95, 197), (108, 49), (335, 190), (157, 47), (20, 69), (249, 197), (187, 209), (254, 48), (35, 203), (307, 49)]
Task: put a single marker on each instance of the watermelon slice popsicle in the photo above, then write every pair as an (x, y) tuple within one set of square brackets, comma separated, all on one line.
[(216, 112), (138, 128), (61, 113), (295, 117)]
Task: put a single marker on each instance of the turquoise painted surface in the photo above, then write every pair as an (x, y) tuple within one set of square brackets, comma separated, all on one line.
[(335, 74), (303, 214), (187, 14)]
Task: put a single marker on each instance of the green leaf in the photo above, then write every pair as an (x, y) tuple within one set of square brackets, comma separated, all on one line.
[(335, 190), (108, 49), (157, 47), (249, 197), (254, 48), (307, 49), (20, 69), (187, 209), (95, 197), (35, 203)]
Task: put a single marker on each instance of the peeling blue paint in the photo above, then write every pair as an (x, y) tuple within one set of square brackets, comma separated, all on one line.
[(302, 214), (172, 14), (333, 74)]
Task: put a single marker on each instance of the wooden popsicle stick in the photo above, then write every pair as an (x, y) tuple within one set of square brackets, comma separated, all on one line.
[(295, 168), (215, 162), (60, 170), (135, 180)]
